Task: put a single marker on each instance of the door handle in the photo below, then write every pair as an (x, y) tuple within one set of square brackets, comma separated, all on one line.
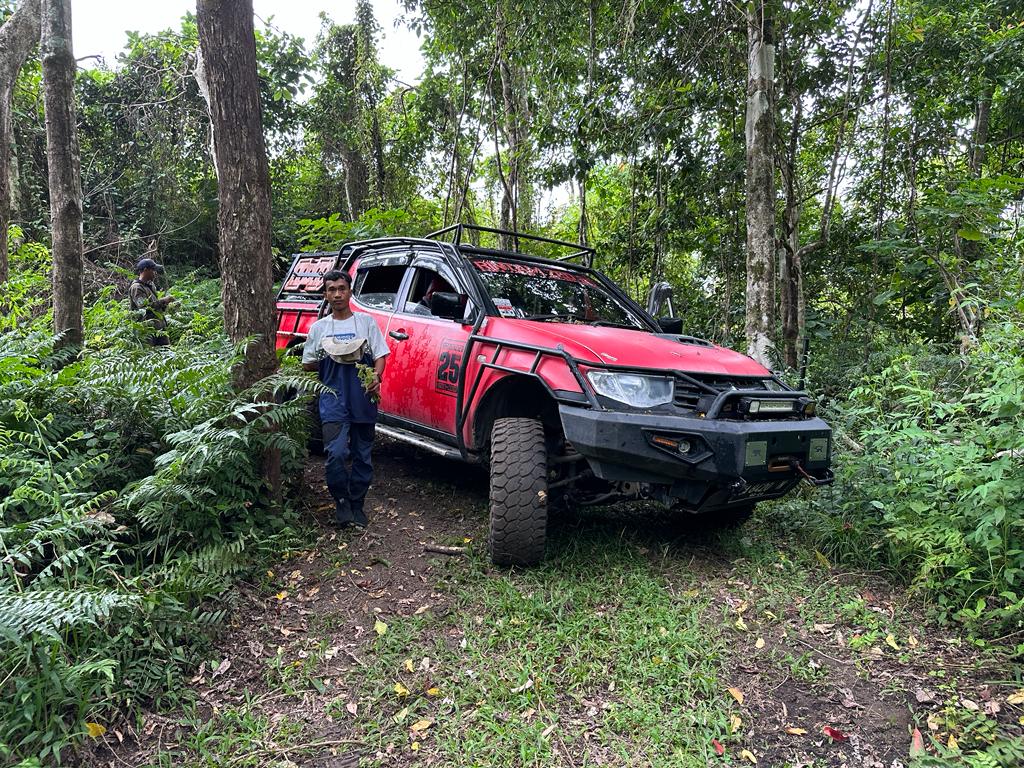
[(398, 335)]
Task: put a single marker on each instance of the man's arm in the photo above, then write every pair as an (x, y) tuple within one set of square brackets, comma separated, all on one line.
[(313, 366)]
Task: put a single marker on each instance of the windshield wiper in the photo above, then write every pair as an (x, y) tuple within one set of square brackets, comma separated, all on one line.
[(613, 324), (553, 316)]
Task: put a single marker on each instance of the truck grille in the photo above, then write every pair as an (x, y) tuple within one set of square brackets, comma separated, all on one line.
[(691, 387)]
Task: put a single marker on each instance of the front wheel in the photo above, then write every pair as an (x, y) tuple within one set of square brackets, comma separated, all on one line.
[(519, 492)]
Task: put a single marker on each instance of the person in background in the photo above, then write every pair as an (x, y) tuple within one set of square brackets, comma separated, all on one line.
[(147, 302), (334, 346)]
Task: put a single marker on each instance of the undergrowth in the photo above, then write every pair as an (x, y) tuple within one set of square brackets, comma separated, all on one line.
[(930, 479), (131, 498)]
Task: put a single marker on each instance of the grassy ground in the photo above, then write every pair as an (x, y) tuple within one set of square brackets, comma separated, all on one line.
[(638, 643)]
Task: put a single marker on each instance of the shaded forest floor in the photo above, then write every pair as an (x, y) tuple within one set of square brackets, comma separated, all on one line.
[(637, 643)]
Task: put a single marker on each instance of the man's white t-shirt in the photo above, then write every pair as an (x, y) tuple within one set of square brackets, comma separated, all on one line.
[(359, 326)]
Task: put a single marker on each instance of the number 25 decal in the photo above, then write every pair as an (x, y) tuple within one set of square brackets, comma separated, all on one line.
[(448, 366)]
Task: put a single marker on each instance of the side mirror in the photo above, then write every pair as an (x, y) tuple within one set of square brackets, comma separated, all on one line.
[(671, 324), (448, 306)]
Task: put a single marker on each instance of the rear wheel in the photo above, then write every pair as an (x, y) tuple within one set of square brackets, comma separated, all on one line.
[(519, 492)]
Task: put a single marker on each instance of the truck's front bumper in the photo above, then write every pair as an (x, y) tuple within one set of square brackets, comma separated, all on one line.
[(726, 461)]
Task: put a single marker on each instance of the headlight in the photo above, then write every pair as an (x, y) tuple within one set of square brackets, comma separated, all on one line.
[(633, 389)]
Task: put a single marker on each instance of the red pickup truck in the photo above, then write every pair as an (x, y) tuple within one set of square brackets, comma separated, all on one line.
[(548, 373)]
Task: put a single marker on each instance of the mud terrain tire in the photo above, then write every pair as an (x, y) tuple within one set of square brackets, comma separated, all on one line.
[(519, 492)]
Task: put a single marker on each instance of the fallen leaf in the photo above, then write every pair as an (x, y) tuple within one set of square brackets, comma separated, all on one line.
[(524, 687), (408, 665), (548, 731), (916, 744), (741, 624), (771, 615), (796, 731), (415, 746), (735, 723), (952, 744), (352, 708), (1016, 698), (890, 640), (924, 696), (737, 694), (95, 730), (992, 708), (401, 690), (746, 754), (759, 643), (912, 641), (526, 714), (421, 725), (822, 560), (969, 705), (281, 595), (223, 667), (380, 627), (834, 733), (934, 722), (434, 691), (823, 629), (719, 749), (401, 714)]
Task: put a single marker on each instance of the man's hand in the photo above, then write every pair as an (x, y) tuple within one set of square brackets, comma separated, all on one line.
[(374, 388)]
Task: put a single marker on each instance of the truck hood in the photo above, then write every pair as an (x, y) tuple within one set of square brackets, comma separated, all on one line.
[(620, 346)]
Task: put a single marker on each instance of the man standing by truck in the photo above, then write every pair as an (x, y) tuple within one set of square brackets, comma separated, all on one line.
[(334, 347)]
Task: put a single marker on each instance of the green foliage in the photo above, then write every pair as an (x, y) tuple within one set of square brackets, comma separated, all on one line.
[(131, 497), (931, 477)]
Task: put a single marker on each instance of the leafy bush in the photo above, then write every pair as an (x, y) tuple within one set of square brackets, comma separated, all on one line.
[(931, 477), (131, 496)]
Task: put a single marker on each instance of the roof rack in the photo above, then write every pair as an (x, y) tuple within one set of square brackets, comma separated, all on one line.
[(582, 252)]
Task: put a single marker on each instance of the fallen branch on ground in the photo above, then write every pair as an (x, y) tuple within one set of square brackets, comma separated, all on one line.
[(442, 550)]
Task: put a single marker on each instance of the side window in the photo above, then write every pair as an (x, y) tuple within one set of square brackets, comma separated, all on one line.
[(377, 287), (425, 283)]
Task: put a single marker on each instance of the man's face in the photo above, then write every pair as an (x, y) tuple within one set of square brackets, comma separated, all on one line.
[(148, 275), (338, 294)]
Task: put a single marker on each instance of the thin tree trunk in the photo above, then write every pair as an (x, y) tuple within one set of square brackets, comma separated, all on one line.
[(760, 182), (243, 182), (981, 123), (65, 179), (18, 36), (790, 278)]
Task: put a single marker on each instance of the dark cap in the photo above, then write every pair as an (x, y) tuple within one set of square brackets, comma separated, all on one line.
[(147, 264)]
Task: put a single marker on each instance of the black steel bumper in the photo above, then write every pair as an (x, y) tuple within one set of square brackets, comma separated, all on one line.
[(726, 462)]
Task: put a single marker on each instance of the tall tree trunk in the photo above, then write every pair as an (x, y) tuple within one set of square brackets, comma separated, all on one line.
[(18, 36), (515, 200), (760, 182), (243, 182), (65, 180)]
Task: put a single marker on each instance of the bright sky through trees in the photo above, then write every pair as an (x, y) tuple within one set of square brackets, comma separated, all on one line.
[(100, 26)]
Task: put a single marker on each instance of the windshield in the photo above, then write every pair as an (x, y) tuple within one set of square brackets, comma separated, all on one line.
[(541, 292)]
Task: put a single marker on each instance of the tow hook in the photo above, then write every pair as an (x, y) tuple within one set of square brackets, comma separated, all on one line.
[(828, 478)]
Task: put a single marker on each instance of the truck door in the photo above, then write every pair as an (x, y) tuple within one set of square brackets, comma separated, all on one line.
[(426, 351)]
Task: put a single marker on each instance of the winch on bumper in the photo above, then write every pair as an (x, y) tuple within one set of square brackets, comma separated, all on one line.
[(700, 463)]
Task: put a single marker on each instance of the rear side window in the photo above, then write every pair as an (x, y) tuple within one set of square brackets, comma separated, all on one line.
[(377, 287)]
